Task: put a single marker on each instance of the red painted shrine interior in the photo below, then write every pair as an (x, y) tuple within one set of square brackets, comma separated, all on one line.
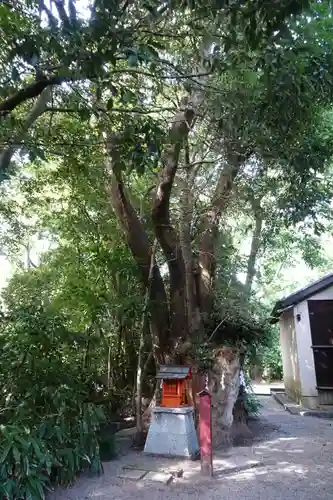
[(176, 391)]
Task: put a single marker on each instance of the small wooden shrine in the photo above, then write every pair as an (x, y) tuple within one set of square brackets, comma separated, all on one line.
[(175, 389), (172, 430)]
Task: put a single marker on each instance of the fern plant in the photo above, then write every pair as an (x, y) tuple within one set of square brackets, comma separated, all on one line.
[(252, 404)]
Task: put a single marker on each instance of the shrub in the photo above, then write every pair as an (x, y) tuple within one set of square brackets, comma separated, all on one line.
[(266, 356), (272, 360), (55, 450), (25, 464), (49, 431)]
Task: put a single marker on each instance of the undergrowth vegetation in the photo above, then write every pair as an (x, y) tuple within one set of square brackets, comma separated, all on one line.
[(49, 431)]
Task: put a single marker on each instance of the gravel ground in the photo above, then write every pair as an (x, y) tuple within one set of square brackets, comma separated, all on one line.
[(291, 457)]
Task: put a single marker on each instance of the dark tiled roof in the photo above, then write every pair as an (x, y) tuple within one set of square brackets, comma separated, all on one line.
[(173, 372), (302, 294)]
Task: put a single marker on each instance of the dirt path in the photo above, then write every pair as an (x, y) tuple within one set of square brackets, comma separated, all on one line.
[(291, 457)]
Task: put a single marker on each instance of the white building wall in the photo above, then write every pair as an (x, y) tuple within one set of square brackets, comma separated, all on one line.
[(291, 373), (298, 346), (324, 295), (309, 393)]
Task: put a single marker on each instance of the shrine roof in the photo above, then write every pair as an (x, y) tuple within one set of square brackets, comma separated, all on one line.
[(169, 372)]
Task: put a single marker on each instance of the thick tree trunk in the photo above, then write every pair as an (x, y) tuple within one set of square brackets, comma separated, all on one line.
[(209, 232), (224, 386), (164, 230), (138, 242), (186, 211)]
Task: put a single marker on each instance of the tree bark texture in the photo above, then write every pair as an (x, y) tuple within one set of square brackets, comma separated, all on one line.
[(164, 230), (186, 210), (138, 242), (224, 387)]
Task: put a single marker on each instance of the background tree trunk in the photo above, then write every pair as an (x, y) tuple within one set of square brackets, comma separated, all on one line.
[(138, 399), (255, 247)]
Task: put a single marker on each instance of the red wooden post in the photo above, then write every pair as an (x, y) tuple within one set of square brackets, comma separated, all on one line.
[(206, 453)]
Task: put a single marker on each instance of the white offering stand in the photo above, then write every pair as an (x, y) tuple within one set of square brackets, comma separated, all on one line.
[(172, 433)]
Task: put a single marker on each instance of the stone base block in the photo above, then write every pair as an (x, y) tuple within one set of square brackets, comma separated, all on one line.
[(172, 433), (311, 402)]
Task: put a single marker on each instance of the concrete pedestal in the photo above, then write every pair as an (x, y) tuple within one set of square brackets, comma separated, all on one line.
[(172, 433)]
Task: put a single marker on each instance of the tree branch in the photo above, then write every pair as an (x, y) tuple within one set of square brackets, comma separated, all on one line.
[(113, 110), (255, 242), (36, 111), (62, 12), (186, 210), (28, 92)]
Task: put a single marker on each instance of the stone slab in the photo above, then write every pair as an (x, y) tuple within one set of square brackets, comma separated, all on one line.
[(175, 472), (158, 477), (296, 409), (132, 474), (317, 413)]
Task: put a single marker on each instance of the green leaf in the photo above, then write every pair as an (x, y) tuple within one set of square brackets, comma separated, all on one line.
[(152, 52), (43, 430), (37, 449), (15, 74), (5, 453), (36, 487), (16, 455), (85, 113), (71, 459), (109, 104), (140, 169), (26, 465), (129, 97), (8, 488), (133, 60)]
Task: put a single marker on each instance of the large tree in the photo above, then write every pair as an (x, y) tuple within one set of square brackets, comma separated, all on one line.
[(184, 95)]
